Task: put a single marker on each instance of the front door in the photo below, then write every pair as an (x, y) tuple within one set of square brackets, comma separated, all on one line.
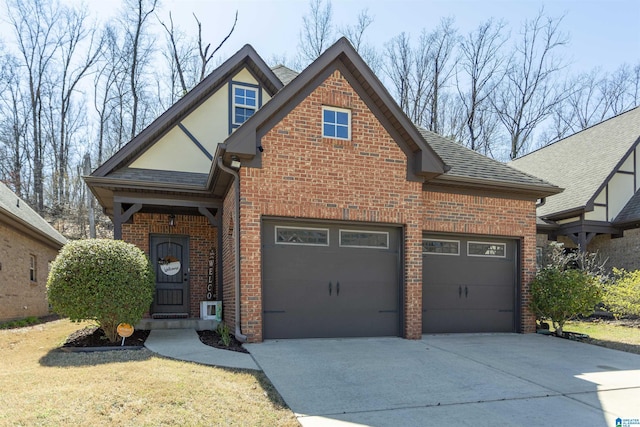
[(170, 258)]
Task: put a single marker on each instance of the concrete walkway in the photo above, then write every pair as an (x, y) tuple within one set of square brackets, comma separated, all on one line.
[(463, 380), (184, 344)]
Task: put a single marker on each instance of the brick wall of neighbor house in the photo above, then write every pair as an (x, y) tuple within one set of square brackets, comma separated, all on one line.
[(495, 216), (306, 176), (19, 296), (202, 238), (621, 252)]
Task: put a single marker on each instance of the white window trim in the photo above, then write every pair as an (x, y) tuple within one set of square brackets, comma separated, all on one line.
[(363, 231), (444, 241), (278, 227), (504, 245), (234, 122), (339, 110), (33, 266)]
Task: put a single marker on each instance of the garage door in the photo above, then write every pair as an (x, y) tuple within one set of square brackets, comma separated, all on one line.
[(329, 280), (469, 284)]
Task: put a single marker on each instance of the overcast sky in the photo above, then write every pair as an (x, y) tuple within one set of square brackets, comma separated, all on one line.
[(603, 33)]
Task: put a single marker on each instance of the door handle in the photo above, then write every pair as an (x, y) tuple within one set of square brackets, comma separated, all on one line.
[(329, 288), (338, 288), (459, 291), (466, 292)]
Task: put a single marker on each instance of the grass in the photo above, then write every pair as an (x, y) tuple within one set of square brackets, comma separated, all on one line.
[(618, 335), (45, 387), (21, 323)]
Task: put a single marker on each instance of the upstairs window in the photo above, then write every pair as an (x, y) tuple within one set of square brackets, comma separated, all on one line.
[(336, 123), (32, 268), (245, 103)]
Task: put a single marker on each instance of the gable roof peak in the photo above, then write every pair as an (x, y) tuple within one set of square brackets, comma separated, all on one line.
[(424, 160), (245, 55)]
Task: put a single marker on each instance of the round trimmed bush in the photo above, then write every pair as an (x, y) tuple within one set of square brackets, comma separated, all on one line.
[(108, 281)]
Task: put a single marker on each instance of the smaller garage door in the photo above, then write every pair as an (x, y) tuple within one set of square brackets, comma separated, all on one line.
[(469, 284), (324, 280)]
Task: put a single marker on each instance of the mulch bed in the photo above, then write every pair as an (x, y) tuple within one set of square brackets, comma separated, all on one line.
[(213, 339), (92, 336)]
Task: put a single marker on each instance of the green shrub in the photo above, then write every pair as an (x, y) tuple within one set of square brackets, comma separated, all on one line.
[(225, 334), (108, 281), (566, 287), (20, 323), (622, 294)]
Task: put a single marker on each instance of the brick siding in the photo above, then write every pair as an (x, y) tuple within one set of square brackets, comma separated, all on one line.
[(622, 252), (306, 176), (202, 238), (19, 296)]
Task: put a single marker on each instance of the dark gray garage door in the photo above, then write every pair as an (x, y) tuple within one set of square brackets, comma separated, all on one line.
[(469, 284), (329, 280)]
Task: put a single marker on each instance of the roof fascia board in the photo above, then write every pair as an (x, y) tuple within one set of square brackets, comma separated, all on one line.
[(158, 200), (188, 103), (140, 185), (590, 203), (568, 213)]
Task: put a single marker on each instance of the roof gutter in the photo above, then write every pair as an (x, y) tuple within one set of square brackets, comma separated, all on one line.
[(236, 230), (535, 190)]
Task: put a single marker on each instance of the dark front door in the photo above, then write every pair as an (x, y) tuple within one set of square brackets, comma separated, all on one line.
[(469, 284), (170, 258), (330, 280)]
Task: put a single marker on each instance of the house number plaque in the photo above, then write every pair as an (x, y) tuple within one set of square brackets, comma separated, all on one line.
[(211, 274)]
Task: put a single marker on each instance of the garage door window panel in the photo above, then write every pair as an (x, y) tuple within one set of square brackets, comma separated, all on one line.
[(487, 249), (440, 247), (364, 239), (302, 236)]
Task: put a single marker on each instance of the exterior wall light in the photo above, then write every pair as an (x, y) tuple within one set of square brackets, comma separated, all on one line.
[(172, 220)]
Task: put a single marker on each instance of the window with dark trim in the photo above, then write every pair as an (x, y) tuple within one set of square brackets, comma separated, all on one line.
[(488, 249), (245, 103), (336, 123), (33, 273), (302, 236), (440, 247), (364, 239)]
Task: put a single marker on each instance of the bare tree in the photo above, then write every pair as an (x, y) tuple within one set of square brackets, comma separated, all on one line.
[(530, 90), (317, 30), (14, 122), (421, 74), (398, 67), (480, 70), (205, 54), (137, 49), (441, 43), (74, 31), (33, 23), (355, 34)]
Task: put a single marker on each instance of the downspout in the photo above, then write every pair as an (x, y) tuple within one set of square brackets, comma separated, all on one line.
[(236, 230)]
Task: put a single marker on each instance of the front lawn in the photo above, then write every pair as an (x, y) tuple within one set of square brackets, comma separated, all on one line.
[(41, 386), (616, 334)]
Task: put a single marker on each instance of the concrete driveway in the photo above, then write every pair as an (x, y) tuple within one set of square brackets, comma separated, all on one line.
[(462, 380)]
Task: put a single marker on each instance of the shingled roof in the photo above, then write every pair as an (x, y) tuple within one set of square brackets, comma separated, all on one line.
[(19, 215), (470, 165), (583, 162), (285, 74)]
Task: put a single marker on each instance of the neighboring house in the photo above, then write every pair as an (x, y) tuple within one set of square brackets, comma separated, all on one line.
[(599, 209), (28, 244), (329, 213)]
